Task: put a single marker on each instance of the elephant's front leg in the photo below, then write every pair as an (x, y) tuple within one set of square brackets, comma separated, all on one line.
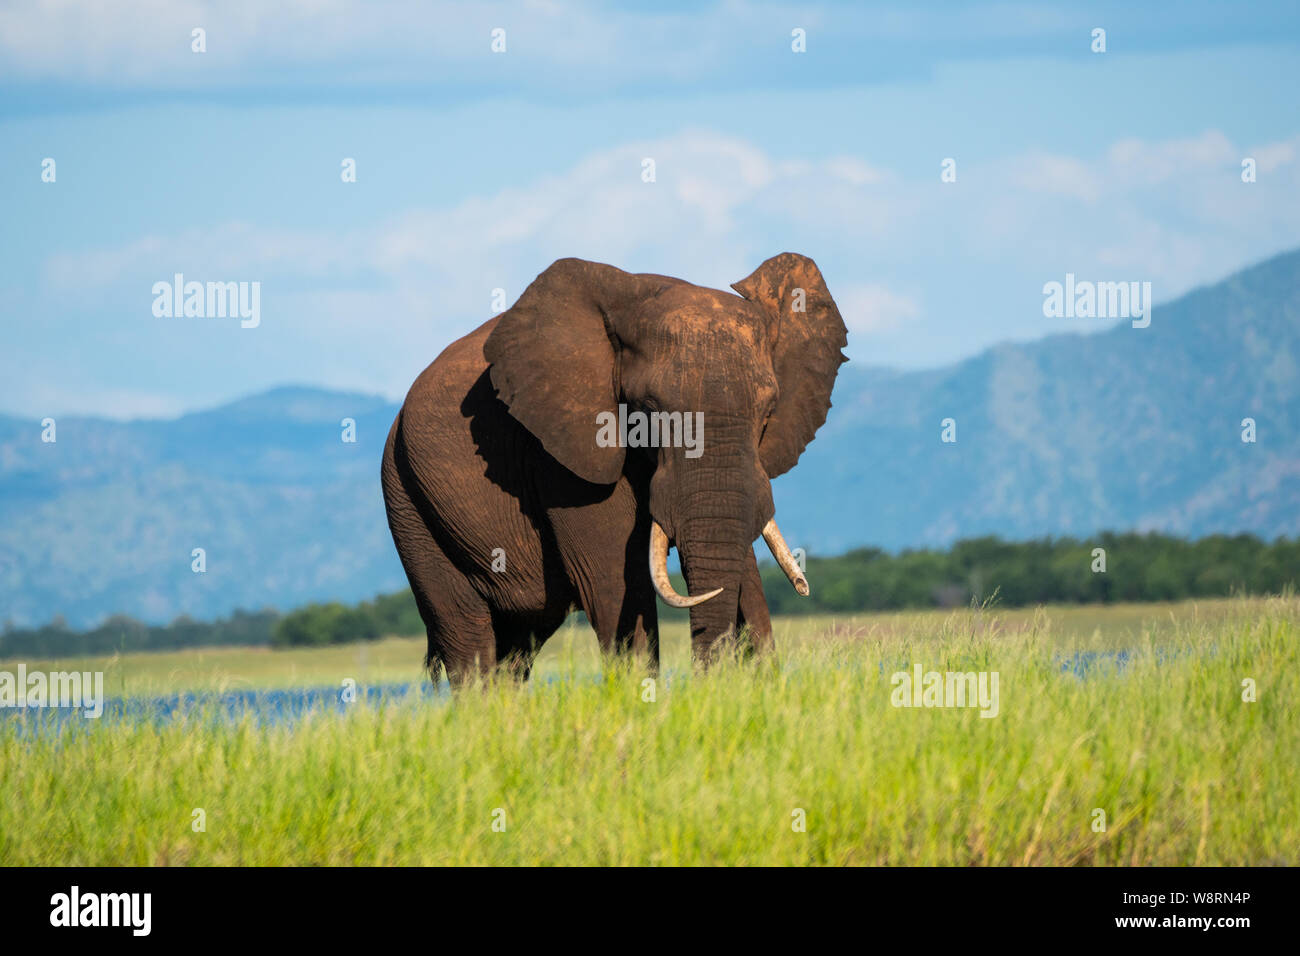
[(637, 635), (605, 548), (752, 618), (626, 623), (623, 611)]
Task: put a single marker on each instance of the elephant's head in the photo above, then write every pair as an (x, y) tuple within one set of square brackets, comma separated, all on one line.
[(758, 367)]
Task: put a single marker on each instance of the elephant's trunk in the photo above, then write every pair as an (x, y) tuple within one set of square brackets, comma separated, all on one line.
[(714, 541), (659, 573)]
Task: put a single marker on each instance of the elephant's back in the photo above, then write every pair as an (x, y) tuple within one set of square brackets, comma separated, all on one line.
[(472, 463), (435, 402)]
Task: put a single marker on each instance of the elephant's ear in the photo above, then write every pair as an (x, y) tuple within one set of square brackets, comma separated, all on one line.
[(554, 365), (806, 357)]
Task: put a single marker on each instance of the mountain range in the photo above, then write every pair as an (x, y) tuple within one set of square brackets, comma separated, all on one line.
[(1127, 428)]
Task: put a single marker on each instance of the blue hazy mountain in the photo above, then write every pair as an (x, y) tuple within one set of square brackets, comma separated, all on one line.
[(1120, 429), (1124, 429), (106, 518)]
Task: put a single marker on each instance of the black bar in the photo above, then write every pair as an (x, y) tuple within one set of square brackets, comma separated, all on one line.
[(335, 906)]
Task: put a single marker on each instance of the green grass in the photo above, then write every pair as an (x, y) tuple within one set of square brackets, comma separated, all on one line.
[(586, 772)]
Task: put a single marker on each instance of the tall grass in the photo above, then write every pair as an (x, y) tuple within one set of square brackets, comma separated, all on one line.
[(580, 768)]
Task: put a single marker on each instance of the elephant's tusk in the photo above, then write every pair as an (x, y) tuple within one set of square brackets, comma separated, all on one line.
[(659, 572), (776, 544)]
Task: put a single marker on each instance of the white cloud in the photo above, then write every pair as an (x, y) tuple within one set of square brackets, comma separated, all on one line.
[(1059, 176), (716, 196), (74, 399), (870, 308), (686, 220), (358, 42), (578, 45), (1274, 157), (1174, 213), (1139, 162), (854, 171)]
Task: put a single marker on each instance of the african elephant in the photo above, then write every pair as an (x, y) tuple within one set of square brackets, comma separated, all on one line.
[(512, 498)]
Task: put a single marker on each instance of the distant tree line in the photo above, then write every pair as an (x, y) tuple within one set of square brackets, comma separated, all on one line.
[(120, 633), (1137, 567), (334, 623)]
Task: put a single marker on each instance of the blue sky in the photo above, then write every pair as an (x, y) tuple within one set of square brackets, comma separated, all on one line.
[(477, 169)]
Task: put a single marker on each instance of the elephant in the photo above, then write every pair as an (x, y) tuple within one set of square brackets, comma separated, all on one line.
[(512, 500)]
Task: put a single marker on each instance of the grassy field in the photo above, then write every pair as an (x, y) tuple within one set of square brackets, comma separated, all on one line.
[(581, 768)]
